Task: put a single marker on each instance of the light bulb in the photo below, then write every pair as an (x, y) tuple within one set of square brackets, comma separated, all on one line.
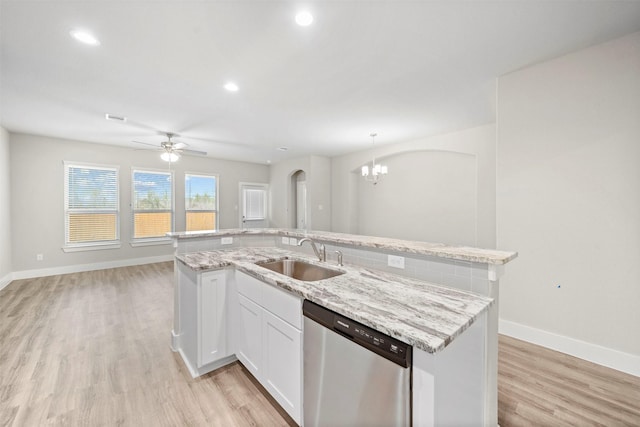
[(169, 157)]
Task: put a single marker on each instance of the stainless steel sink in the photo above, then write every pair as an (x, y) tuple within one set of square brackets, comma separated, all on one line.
[(300, 270)]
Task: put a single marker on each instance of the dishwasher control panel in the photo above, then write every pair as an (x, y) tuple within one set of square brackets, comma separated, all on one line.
[(382, 344)]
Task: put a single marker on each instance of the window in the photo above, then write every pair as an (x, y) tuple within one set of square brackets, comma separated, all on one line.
[(91, 204), (201, 202), (254, 204), (152, 204)]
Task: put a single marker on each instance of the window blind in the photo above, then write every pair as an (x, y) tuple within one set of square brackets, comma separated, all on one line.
[(254, 204), (91, 204)]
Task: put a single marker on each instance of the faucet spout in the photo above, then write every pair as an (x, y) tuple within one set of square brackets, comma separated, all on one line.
[(320, 253)]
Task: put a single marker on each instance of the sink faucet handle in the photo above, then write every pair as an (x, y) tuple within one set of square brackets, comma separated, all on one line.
[(339, 258), (323, 253)]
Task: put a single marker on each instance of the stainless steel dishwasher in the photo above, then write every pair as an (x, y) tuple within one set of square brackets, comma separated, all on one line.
[(353, 374)]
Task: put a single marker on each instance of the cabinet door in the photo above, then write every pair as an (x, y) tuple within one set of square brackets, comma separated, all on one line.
[(249, 335), (212, 337), (281, 374)]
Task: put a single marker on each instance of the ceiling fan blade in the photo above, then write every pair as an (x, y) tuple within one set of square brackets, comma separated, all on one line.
[(180, 145), (194, 152), (146, 143), (148, 149), (213, 141)]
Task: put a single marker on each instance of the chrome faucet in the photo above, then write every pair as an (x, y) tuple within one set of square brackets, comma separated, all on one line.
[(339, 258), (320, 253)]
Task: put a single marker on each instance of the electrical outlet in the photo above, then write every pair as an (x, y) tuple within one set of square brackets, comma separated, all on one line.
[(293, 241), (39, 257), (395, 261), (226, 240), (285, 240)]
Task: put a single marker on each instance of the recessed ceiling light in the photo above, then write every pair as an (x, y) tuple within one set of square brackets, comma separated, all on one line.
[(304, 19), (231, 87), (85, 37)]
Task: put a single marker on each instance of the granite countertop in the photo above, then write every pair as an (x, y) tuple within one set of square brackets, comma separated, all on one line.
[(422, 314), (462, 253)]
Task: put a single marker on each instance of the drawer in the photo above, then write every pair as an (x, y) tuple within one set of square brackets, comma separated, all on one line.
[(283, 304), (279, 302), (250, 287)]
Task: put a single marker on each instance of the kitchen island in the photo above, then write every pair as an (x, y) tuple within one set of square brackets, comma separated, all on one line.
[(449, 329)]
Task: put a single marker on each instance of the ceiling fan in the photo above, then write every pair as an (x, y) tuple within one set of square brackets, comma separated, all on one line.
[(171, 151)]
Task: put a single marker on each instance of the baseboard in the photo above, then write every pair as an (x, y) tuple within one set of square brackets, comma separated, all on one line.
[(4, 281), (175, 341), (197, 372), (67, 269), (614, 359)]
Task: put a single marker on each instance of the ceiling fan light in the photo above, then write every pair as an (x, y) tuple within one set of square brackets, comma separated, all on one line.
[(169, 157)]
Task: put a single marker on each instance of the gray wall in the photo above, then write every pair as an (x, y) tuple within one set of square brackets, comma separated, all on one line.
[(568, 196), (317, 171), (37, 196), (439, 189), (5, 218)]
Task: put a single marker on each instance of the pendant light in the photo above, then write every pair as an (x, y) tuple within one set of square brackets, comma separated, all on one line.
[(377, 170)]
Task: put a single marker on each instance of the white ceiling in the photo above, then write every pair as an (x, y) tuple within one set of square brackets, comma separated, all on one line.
[(401, 69)]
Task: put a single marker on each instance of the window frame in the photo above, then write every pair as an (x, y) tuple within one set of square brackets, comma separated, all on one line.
[(217, 204), (94, 244), (157, 240)]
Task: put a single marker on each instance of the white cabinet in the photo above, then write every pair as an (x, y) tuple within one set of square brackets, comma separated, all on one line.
[(282, 367), (249, 334), (203, 310), (269, 340), (212, 317)]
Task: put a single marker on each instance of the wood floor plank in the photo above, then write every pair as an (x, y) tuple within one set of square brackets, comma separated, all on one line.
[(92, 348)]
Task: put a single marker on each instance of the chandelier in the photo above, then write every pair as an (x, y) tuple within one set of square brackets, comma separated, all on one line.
[(375, 173)]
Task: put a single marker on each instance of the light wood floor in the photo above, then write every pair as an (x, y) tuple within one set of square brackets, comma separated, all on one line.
[(538, 386), (93, 349)]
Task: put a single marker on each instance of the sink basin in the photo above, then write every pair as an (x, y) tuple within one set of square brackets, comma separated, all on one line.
[(300, 270)]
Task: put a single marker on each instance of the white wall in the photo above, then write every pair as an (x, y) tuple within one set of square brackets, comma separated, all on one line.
[(453, 176), (317, 170), (5, 217), (319, 192), (428, 196), (37, 194), (568, 196)]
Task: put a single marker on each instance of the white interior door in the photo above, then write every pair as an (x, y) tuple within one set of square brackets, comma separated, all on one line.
[(301, 205), (253, 209)]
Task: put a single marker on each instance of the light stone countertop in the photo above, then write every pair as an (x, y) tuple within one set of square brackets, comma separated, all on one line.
[(422, 314), (462, 253)]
